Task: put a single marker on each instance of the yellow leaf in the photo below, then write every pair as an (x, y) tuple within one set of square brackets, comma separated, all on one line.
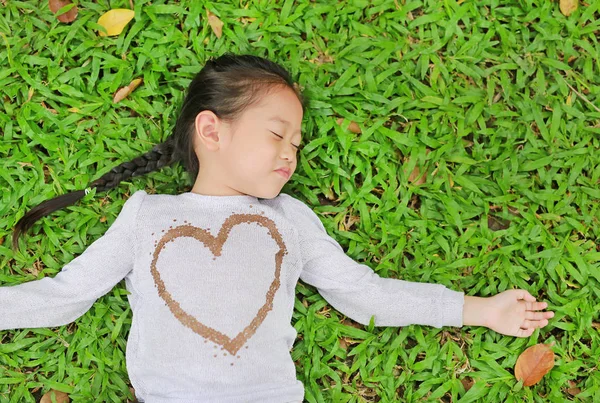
[(568, 6), (115, 20), (215, 23), (123, 92)]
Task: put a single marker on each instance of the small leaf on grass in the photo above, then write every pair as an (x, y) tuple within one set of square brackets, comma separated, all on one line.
[(124, 91), (66, 17), (115, 21), (533, 363), (568, 6), (467, 383), (215, 23), (60, 397), (416, 177), (353, 127)]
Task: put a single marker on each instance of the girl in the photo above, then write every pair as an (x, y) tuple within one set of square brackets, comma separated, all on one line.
[(212, 272)]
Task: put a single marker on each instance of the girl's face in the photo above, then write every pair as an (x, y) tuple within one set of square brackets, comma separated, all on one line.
[(243, 159)]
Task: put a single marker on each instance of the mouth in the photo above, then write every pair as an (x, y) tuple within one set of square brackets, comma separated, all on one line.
[(284, 172)]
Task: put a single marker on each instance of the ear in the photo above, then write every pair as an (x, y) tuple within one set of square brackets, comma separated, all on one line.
[(207, 126)]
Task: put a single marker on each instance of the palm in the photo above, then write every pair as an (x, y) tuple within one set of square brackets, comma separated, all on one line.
[(512, 313)]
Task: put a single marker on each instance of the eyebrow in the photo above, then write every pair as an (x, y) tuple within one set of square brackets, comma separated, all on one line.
[(281, 120)]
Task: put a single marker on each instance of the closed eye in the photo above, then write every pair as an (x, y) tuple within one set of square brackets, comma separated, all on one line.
[(297, 147)]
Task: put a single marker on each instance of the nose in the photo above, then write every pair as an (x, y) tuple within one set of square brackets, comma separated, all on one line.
[(288, 152)]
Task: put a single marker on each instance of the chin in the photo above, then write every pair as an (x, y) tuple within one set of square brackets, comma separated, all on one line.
[(270, 195)]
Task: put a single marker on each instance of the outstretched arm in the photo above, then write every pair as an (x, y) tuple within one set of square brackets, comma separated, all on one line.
[(511, 312), (58, 300), (357, 291)]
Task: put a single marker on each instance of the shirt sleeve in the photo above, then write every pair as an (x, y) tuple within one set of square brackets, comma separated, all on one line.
[(58, 300), (356, 291)]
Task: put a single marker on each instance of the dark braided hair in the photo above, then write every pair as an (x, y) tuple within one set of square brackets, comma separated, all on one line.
[(226, 86)]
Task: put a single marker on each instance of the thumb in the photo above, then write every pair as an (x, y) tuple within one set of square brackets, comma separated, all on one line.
[(523, 294)]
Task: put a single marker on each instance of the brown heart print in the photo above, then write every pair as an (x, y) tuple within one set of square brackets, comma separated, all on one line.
[(215, 245)]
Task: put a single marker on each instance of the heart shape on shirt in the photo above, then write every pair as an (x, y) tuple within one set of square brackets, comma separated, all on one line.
[(215, 245)]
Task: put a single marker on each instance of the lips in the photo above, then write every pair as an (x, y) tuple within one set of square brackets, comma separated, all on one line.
[(284, 171)]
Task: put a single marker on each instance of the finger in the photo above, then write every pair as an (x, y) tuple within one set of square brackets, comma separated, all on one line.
[(525, 332), (538, 315), (532, 324), (524, 294), (536, 306)]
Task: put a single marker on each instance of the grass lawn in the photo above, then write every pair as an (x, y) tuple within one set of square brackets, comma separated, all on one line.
[(447, 142)]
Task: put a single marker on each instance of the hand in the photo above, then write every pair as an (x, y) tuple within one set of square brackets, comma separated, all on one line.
[(512, 313)]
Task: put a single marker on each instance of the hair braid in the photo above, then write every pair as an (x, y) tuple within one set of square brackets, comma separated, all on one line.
[(161, 155)]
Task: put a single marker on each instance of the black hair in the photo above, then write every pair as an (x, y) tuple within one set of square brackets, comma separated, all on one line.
[(227, 86)]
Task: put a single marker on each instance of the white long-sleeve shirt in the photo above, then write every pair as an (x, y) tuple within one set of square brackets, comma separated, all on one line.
[(212, 288)]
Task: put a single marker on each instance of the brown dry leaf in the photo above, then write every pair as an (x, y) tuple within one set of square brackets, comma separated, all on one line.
[(124, 91), (533, 363), (568, 6), (573, 389), (467, 382), (115, 21), (415, 176), (354, 128), (61, 397), (50, 109), (215, 23), (350, 322), (67, 17), (132, 390)]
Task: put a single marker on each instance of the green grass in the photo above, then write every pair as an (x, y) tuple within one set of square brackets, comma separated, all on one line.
[(496, 102)]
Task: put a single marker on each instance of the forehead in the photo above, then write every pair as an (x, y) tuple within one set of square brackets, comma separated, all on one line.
[(282, 106)]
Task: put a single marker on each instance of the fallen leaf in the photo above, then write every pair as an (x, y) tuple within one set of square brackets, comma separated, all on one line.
[(497, 223), (132, 390), (415, 176), (573, 390), (354, 324), (467, 382), (134, 83), (61, 397), (533, 363), (50, 109), (568, 6), (353, 127), (215, 23), (124, 91), (115, 21), (67, 17)]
